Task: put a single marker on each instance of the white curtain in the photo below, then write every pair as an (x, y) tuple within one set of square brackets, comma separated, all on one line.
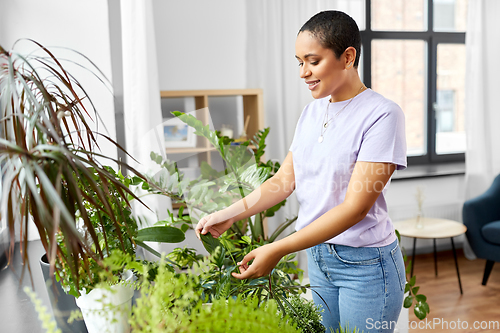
[(482, 86), (482, 110), (272, 28), (142, 106)]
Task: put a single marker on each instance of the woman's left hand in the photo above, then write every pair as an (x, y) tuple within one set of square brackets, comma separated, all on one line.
[(265, 258)]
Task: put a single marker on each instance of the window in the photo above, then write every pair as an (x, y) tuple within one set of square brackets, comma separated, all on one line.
[(414, 54)]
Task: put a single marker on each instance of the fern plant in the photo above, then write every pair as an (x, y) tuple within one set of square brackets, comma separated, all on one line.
[(173, 303)]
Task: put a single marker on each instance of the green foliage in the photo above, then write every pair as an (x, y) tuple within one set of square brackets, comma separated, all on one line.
[(164, 234), (215, 190), (218, 283), (50, 160), (114, 230), (421, 308), (185, 257), (306, 315), (239, 315), (345, 330), (122, 236), (173, 303)]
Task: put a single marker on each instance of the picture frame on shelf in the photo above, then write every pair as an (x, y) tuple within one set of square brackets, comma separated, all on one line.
[(177, 134)]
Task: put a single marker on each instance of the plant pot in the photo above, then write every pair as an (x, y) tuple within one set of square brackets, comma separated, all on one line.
[(62, 303), (107, 310), (403, 321)]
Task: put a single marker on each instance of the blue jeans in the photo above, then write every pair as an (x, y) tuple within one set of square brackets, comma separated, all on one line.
[(358, 287)]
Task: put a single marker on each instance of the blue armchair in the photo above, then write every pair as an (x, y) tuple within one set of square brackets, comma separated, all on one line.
[(481, 216)]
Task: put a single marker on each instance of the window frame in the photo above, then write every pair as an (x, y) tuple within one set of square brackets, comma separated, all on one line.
[(432, 38)]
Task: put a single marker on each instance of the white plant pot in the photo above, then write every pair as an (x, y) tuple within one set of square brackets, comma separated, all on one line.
[(107, 311), (402, 324)]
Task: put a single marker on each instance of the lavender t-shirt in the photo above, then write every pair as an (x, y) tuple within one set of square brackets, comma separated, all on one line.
[(371, 129)]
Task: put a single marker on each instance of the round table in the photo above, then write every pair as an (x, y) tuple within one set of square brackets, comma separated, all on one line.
[(432, 228)]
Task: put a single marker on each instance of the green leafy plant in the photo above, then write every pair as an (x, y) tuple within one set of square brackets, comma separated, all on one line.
[(52, 171), (244, 171), (217, 281), (345, 330), (46, 150), (124, 236), (213, 190), (306, 315), (173, 303), (185, 257), (421, 308)]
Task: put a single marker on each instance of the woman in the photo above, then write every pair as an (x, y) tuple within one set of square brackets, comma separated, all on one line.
[(347, 144)]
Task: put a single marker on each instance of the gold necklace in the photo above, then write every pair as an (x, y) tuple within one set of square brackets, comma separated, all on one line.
[(324, 124)]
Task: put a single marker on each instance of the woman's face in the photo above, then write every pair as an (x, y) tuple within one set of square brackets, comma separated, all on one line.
[(321, 70)]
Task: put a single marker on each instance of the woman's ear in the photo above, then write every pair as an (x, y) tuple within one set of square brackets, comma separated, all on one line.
[(350, 57)]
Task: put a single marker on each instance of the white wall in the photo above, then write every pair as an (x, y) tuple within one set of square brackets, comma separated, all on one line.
[(443, 198), (79, 25), (201, 44)]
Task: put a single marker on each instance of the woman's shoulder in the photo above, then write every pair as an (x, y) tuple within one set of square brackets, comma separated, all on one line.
[(378, 100), (377, 104)]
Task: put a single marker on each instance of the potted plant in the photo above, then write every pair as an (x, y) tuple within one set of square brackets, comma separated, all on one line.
[(214, 190), (53, 172), (172, 302)]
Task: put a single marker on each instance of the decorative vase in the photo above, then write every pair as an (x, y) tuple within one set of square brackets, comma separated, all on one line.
[(62, 303), (419, 220), (107, 310)]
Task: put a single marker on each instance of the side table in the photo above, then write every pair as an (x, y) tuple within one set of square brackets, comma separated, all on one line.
[(432, 228)]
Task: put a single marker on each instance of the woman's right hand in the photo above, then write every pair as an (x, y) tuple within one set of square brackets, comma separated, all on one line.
[(215, 223)]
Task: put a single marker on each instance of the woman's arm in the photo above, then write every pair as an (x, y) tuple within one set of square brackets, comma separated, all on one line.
[(270, 193), (367, 181)]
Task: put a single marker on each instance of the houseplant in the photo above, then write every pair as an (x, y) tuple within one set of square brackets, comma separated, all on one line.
[(54, 174), (46, 151), (216, 190), (174, 304), (52, 169)]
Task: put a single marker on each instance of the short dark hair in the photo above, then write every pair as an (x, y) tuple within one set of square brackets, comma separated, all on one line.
[(335, 30)]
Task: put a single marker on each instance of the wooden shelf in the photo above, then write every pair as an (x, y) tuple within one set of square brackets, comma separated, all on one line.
[(222, 92), (195, 150), (189, 150), (252, 106)]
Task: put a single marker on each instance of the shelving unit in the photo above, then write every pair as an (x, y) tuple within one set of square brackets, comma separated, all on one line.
[(252, 106)]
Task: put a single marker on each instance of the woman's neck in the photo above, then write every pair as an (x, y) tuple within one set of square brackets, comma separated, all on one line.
[(348, 90)]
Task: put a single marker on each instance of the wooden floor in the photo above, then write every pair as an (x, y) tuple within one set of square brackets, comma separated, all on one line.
[(479, 305)]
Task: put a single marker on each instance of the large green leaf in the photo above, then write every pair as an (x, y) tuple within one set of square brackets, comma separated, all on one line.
[(408, 301), (162, 234), (210, 243), (420, 311)]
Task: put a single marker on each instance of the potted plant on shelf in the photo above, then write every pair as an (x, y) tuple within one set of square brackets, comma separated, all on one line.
[(53, 172)]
